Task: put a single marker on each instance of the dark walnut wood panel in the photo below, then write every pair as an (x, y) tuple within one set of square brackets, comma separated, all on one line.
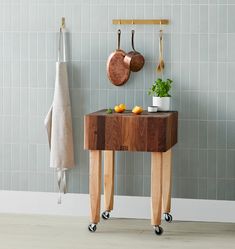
[(130, 132)]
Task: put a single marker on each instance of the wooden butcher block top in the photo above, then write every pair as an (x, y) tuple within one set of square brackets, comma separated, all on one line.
[(130, 132)]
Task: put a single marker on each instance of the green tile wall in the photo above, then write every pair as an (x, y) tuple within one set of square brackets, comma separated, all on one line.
[(200, 58)]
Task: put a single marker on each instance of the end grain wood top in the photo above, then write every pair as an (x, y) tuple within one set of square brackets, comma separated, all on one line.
[(130, 132)]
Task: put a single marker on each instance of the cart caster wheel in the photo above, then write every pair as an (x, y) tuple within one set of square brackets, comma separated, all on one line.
[(168, 217), (92, 228), (106, 215), (158, 230)]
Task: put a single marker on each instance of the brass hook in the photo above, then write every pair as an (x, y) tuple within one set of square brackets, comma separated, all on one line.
[(63, 22), (160, 34), (160, 31)]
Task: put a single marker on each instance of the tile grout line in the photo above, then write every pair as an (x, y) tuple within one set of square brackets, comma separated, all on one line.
[(226, 132), (207, 91), (217, 105)]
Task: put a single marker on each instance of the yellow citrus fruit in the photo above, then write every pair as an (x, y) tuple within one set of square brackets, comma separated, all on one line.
[(122, 107), (116, 108), (137, 109)]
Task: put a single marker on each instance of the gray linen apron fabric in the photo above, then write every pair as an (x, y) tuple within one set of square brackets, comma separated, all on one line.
[(58, 121)]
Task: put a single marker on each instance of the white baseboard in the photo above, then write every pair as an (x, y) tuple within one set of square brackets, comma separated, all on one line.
[(124, 207)]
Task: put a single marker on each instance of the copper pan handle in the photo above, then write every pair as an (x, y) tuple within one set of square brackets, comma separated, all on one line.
[(118, 38), (132, 39)]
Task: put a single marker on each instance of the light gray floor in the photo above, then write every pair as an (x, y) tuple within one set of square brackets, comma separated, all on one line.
[(50, 232)]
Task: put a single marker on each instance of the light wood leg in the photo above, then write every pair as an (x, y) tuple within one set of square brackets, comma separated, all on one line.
[(95, 185), (166, 178), (156, 187), (108, 179)]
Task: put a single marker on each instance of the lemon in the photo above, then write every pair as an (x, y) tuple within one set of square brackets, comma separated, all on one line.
[(137, 109), (116, 108), (122, 107)]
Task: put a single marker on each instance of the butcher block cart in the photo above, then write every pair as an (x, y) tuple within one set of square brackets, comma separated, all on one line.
[(148, 132)]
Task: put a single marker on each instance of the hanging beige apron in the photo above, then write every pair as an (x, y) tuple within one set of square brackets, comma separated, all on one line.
[(58, 121)]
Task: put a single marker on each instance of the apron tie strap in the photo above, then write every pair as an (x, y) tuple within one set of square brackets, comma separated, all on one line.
[(61, 180)]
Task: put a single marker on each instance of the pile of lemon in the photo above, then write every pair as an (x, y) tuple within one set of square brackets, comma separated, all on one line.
[(122, 107)]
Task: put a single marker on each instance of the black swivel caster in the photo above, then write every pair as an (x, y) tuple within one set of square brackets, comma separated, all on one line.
[(158, 230), (106, 215), (168, 217), (92, 228)]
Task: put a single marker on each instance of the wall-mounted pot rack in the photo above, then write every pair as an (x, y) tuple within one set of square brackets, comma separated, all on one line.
[(141, 21)]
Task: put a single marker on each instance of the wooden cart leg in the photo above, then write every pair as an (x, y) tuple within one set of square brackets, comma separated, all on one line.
[(166, 175), (108, 180), (156, 188), (95, 185)]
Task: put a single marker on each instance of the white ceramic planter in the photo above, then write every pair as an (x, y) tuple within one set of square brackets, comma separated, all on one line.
[(162, 103)]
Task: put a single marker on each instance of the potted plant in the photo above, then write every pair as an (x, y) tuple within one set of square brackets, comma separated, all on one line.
[(160, 92)]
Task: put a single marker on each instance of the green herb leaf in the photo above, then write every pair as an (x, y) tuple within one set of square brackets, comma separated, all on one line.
[(160, 88), (109, 111)]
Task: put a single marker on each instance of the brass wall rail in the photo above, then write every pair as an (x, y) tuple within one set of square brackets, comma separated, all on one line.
[(141, 21)]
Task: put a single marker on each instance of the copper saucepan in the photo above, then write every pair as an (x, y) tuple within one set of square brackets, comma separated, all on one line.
[(134, 60), (118, 72)]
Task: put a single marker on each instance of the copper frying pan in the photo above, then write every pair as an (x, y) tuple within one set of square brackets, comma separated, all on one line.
[(134, 59), (118, 72)]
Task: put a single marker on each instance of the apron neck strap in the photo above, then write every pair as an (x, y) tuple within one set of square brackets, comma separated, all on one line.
[(61, 48)]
